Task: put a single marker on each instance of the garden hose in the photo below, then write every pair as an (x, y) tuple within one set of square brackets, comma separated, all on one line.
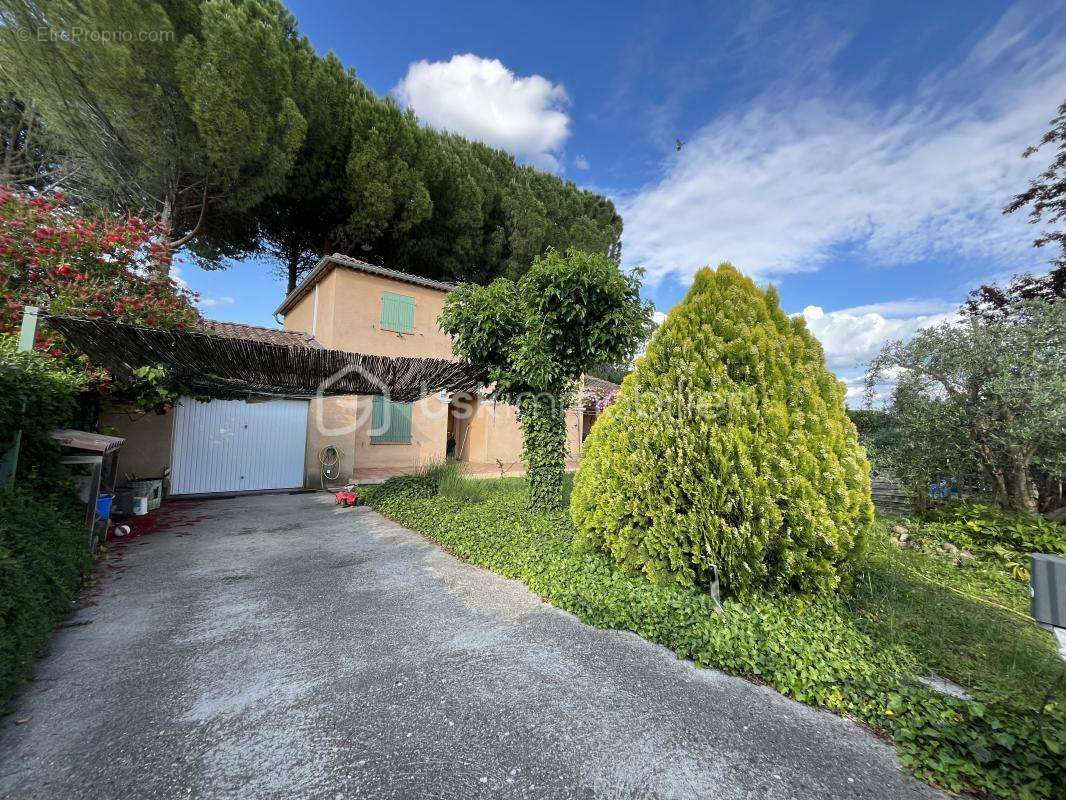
[(329, 462)]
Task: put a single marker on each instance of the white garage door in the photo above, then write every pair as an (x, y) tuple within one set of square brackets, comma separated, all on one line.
[(234, 446)]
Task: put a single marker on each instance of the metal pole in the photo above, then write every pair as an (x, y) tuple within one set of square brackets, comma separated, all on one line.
[(27, 334)]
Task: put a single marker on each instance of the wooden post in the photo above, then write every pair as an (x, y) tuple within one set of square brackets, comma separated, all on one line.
[(27, 334)]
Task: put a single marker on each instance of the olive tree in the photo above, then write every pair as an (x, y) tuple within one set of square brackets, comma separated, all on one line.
[(538, 335), (984, 393)]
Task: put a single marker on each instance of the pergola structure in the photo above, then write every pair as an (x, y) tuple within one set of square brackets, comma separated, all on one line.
[(224, 367)]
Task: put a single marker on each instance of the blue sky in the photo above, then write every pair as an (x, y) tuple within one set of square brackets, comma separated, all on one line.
[(856, 154)]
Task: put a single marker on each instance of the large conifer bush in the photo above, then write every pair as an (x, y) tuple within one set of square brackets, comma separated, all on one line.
[(728, 445)]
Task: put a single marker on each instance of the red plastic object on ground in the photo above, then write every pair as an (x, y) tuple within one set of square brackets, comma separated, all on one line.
[(347, 498)]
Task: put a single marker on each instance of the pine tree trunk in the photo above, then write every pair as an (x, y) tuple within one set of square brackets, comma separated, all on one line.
[(293, 269), (164, 255), (544, 449)]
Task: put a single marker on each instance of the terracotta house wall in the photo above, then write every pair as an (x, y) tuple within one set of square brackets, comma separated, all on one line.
[(573, 434), (315, 313), (349, 316), (146, 452), (329, 422), (429, 431), (492, 434)]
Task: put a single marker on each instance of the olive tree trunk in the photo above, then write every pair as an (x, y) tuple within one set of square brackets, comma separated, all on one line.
[(1021, 497), (544, 449)]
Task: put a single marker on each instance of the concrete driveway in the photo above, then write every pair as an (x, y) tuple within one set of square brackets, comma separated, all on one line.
[(281, 647)]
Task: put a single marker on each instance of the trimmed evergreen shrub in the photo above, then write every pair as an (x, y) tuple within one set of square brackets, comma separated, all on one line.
[(728, 445)]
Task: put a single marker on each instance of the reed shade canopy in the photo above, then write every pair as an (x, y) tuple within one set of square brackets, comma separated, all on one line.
[(227, 367)]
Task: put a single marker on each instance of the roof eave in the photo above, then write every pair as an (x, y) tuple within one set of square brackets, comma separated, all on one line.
[(333, 260), (304, 286)]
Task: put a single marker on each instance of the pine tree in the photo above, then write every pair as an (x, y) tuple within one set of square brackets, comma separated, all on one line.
[(729, 445)]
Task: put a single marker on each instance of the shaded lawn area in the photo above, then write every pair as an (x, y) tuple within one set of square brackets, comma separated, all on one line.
[(858, 654), (955, 622)]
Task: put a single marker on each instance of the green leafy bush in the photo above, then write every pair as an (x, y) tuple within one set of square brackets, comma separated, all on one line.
[(36, 396), (993, 534), (410, 487), (812, 649), (43, 546), (43, 556), (728, 445), (442, 478)]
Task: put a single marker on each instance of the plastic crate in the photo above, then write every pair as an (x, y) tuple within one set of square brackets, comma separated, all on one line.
[(151, 488)]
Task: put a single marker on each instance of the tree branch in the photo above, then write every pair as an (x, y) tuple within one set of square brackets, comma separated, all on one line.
[(196, 228)]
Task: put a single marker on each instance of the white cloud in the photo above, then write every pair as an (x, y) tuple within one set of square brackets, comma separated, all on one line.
[(581, 162), (177, 275), (851, 337), (786, 181), (207, 302), (481, 99), (855, 389)]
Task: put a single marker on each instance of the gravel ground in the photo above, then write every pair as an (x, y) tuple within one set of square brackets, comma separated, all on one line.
[(282, 647)]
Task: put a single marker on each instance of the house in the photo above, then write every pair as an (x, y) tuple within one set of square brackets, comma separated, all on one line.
[(278, 443)]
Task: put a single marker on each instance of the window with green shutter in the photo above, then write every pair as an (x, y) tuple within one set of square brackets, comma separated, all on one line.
[(398, 312), (390, 422)]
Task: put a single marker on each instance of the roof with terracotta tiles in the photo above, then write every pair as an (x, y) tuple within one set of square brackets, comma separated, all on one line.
[(255, 333)]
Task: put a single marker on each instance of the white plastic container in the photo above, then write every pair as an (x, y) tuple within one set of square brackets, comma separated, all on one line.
[(140, 506), (151, 488)]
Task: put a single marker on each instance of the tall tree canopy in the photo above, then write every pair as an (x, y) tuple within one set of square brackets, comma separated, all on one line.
[(994, 302), (31, 159), (1046, 195), (196, 112), (220, 121)]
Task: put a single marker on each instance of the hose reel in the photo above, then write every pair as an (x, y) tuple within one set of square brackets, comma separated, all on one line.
[(329, 463)]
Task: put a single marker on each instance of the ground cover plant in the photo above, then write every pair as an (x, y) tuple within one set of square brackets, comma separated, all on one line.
[(857, 653)]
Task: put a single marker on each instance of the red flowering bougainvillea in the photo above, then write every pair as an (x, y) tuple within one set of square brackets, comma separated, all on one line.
[(66, 264)]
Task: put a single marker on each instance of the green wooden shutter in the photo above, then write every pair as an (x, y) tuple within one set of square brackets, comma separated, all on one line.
[(398, 312), (390, 422)]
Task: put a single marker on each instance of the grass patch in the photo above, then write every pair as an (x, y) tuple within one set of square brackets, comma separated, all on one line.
[(857, 655), (969, 624)]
